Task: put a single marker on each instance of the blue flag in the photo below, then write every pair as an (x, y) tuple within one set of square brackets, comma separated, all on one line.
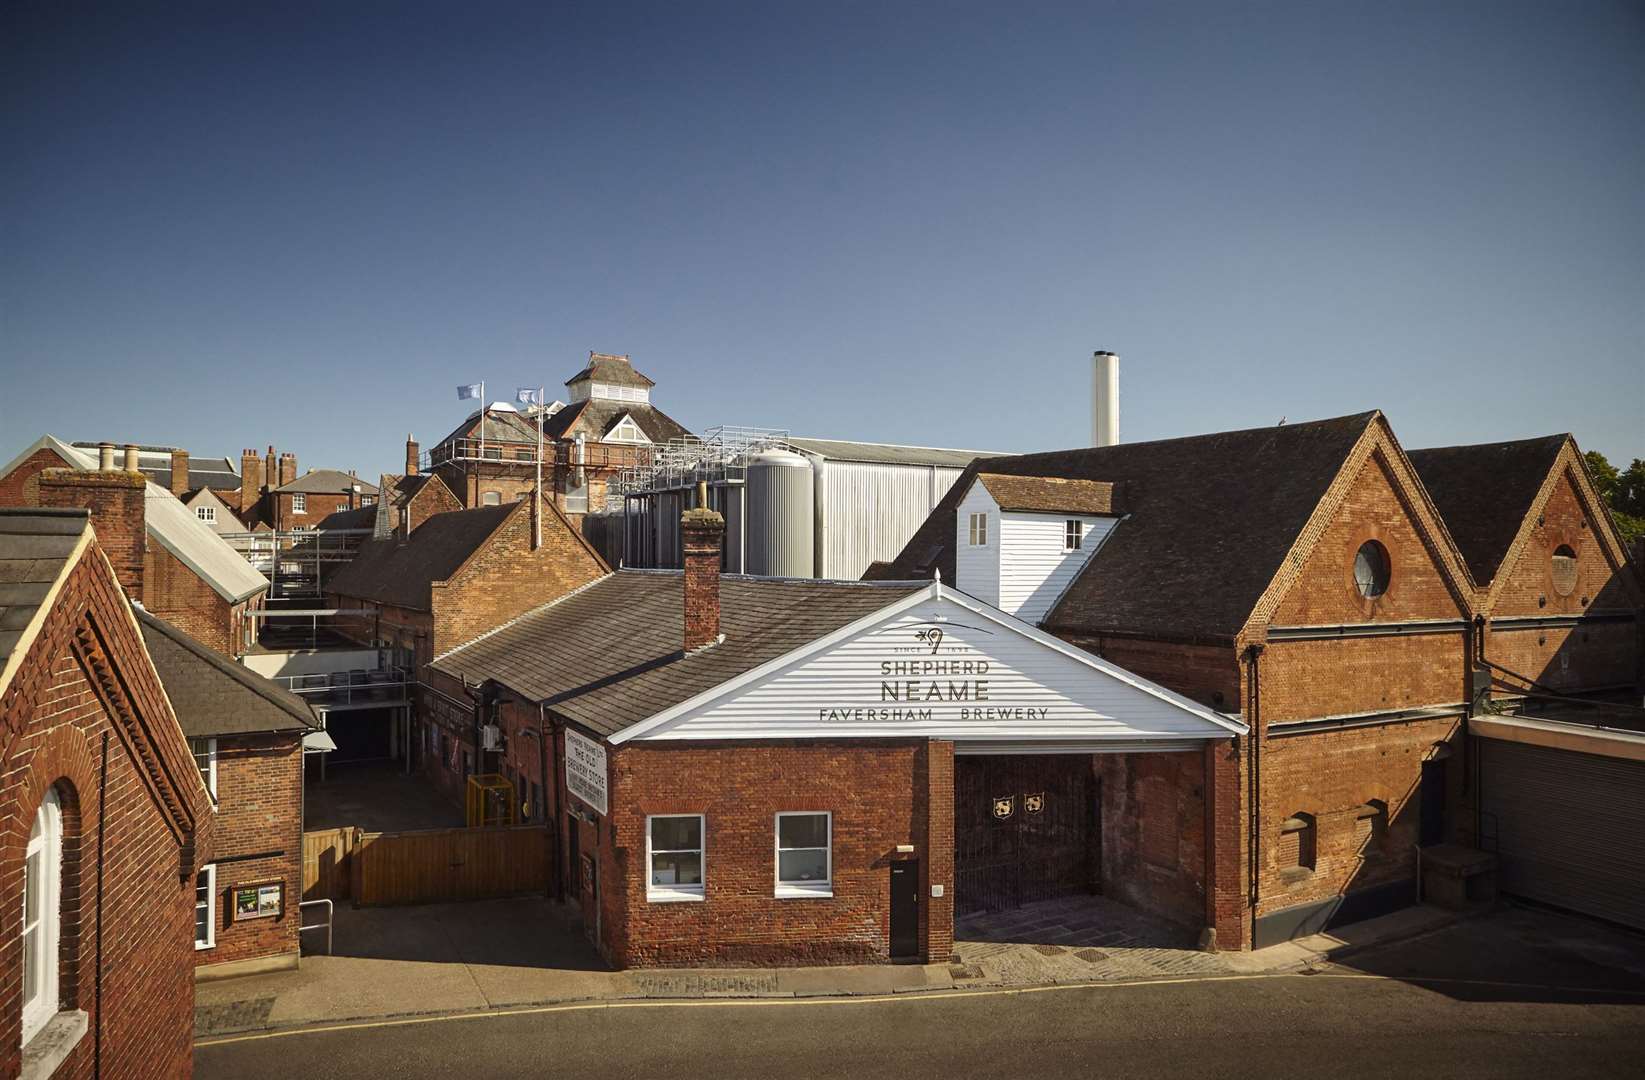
[(472, 390)]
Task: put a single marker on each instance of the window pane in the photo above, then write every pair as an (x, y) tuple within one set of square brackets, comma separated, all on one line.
[(31, 890), (202, 924), (684, 868), (802, 866), (676, 833), (802, 830), (31, 966)]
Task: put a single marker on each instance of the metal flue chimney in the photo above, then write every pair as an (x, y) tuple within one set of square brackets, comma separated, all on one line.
[(1105, 403)]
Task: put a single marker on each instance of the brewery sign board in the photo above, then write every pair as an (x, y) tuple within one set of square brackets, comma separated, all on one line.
[(585, 770)]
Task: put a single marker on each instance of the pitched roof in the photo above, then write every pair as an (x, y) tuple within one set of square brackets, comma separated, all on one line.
[(1209, 520), (328, 482), (887, 453), (361, 517), (611, 654), (1051, 494), (1483, 493), (36, 547), (155, 463), (402, 572), (596, 417), (503, 424), (212, 695), (606, 368)]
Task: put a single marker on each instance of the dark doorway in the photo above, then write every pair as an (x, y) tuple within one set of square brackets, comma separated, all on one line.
[(573, 863), (1025, 830), (905, 908), (1433, 803)]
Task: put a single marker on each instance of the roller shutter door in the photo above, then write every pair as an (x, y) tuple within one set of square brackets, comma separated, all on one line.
[(1570, 827)]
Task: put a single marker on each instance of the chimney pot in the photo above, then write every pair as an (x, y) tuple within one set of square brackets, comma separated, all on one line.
[(702, 532), (132, 460), (105, 457)]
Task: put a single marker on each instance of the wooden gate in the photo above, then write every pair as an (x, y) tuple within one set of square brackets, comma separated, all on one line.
[(441, 865), (1025, 829), (328, 867)]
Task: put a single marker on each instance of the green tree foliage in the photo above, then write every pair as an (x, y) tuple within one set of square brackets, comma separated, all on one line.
[(1623, 491)]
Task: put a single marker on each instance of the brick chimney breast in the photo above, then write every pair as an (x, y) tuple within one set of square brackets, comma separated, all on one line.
[(702, 532), (412, 455), (116, 502), (251, 479), (179, 472)]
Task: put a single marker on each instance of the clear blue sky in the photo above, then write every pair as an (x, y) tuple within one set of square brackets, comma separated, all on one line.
[(231, 224)]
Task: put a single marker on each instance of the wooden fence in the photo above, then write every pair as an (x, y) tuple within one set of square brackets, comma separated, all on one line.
[(428, 867)]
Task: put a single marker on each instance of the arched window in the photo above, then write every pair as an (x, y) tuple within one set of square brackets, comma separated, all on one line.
[(42, 915), (1371, 569), (1564, 570)]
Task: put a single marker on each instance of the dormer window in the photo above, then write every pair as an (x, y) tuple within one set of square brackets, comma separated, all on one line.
[(626, 431), (1073, 534)]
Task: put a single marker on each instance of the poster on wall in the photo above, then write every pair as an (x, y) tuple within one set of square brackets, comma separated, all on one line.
[(585, 770), (264, 900)]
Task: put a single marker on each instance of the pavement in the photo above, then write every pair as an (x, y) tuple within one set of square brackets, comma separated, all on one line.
[(507, 954), (1515, 993)]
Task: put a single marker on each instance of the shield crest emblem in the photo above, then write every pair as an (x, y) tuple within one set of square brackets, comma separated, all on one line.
[(1004, 806), (1034, 803)]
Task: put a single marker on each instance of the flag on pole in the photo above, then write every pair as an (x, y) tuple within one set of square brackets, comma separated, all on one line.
[(472, 390), (528, 395)]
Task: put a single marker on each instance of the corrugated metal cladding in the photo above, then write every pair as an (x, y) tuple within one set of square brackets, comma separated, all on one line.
[(781, 515), (1570, 827), (866, 512)]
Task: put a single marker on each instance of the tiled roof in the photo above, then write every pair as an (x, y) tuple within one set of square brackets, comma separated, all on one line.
[(35, 546), (596, 417), (1051, 494), (502, 425), (615, 370), (211, 694), (1210, 519), (400, 573), (328, 482), (887, 453), (1483, 493), (611, 654)]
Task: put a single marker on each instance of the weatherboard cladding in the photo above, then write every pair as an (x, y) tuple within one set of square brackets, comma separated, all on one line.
[(610, 655), (210, 694), (1483, 493), (1210, 519)]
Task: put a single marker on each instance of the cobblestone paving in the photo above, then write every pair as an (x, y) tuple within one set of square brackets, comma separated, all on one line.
[(1078, 939), (248, 1015)]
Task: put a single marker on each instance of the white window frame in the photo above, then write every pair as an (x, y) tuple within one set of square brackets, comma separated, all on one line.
[(47, 888), (1073, 534), (491, 498), (210, 872), (209, 772), (299, 503), (207, 514), (800, 890), (979, 529), (673, 894)]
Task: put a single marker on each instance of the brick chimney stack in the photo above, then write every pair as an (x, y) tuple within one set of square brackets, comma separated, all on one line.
[(251, 479), (115, 499), (271, 470), (412, 456), (288, 468), (179, 473), (703, 533)]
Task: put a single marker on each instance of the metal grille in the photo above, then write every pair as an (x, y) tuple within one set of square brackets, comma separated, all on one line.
[(1008, 853)]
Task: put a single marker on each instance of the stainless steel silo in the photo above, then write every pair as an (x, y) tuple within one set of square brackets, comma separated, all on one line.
[(781, 500)]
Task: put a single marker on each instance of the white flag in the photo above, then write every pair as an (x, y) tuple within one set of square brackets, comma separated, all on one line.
[(528, 395), (472, 390)]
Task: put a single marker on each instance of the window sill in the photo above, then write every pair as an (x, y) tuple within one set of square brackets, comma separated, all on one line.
[(665, 897), (805, 892), (52, 1044)]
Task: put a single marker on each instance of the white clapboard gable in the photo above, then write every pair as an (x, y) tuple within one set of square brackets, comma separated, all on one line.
[(940, 664)]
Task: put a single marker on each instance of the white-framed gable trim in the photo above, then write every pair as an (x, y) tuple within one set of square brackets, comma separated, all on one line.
[(941, 664), (625, 430)]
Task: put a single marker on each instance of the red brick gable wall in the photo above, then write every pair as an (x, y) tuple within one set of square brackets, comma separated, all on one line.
[(432, 498), (181, 597), (21, 486), (71, 690)]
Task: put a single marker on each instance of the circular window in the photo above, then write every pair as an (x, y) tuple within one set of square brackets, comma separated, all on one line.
[(1371, 569), (1564, 570)]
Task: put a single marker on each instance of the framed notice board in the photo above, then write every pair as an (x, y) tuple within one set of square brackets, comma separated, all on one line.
[(258, 900)]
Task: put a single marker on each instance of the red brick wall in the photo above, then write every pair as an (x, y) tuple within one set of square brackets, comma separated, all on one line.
[(315, 509), (1302, 680), (444, 708), (1153, 832), (879, 794), (432, 498), (53, 719), (116, 502), (259, 812), (177, 594), (21, 486), (1209, 674)]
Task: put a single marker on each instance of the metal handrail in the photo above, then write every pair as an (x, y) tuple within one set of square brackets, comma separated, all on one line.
[(346, 683), (330, 912)]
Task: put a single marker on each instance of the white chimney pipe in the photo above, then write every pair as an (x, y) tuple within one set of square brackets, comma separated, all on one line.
[(1105, 406)]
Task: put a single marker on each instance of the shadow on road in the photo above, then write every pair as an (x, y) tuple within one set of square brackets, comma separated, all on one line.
[(526, 932)]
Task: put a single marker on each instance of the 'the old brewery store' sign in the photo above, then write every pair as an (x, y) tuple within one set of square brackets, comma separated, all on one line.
[(585, 770)]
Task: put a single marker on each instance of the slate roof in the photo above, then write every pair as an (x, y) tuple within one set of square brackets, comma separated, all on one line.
[(887, 453), (1210, 519), (1483, 493), (1051, 494), (400, 573), (605, 368), (328, 482), (610, 655), (155, 463), (502, 425), (361, 517), (596, 417), (211, 694), (35, 546)]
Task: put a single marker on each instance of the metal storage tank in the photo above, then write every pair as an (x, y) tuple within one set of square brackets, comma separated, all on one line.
[(781, 515)]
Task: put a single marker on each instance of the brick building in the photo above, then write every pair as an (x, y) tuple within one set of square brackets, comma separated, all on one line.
[(402, 504), (1302, 576), (608, 425), (442, 579), (100, 978), (778, 771), (247, 736), (169, 560)]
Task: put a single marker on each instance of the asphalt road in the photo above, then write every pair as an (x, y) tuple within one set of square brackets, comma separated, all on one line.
[(1521, 993)]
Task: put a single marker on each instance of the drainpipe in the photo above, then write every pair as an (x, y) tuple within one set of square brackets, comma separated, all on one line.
[(1254, 771), (102, 821)]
